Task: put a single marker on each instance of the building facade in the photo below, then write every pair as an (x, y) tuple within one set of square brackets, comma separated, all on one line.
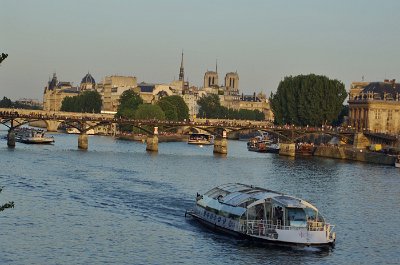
[(55, 92), (375, 106), (112, 87)]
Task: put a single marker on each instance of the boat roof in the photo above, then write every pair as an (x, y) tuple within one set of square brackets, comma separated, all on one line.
[(242, 195)]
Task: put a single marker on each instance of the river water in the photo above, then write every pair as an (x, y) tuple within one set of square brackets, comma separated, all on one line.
[(117, 204)]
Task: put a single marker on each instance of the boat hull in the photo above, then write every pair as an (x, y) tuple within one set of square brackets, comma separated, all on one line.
[(255, 239)]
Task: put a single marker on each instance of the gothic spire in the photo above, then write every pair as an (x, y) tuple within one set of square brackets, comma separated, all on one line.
[(181, 71)]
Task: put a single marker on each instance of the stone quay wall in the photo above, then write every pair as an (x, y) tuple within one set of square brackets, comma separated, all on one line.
[(350, 153)]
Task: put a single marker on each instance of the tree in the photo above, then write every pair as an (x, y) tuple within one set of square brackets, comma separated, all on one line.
[(343, 113), (3, 56), (176, 104), (6, 103), (129, 101), (149, 111), (88, 101), (6, 205), (307, 100), (209, 106), (170, 110)]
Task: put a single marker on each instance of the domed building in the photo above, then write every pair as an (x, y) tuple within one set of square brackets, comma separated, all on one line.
[(88, 83)]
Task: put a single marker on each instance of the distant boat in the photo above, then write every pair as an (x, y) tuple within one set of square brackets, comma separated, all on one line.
[(305, 149), (201, 138), (263, 144), (73, 130), (262, 215), (33, 136), (397, 163)]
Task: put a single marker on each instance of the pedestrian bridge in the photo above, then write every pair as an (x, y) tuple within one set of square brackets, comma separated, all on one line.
[(14, 118)]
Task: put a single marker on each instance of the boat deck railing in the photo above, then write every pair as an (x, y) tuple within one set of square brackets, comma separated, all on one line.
[(264, 227)]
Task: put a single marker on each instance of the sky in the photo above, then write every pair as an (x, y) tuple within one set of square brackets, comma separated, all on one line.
[(263, 41)]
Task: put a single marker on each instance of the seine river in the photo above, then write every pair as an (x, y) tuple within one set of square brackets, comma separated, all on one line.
[(117, 204)]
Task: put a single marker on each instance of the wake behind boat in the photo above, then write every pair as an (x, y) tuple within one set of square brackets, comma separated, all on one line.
[(262, 215)]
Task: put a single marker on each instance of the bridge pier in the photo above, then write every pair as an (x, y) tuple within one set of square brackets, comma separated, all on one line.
[(360, 141), (52, 125), (83, 141), (152, 141), (221, 144), (11, 138), (287, 149)]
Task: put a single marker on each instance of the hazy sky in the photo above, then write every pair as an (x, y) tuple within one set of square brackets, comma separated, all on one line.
[(263, 41)]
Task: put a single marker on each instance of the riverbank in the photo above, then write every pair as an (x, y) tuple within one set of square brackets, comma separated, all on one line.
[(354, 154)]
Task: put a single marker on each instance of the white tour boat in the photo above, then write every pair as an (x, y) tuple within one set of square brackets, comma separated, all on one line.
[(201, 138), (262, 215), (33, 136)]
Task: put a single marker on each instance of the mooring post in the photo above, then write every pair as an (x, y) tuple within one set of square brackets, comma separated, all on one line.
[(152, 141), (83, 141), (11, 138), (221, 144)]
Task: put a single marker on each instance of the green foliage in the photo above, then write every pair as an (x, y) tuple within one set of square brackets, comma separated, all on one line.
[(210, 107), (6, 103), (307, 100), (174, 108), (129, 102), (88, 101), (149, 111), (343, 113), (3, 56), (6, 205)]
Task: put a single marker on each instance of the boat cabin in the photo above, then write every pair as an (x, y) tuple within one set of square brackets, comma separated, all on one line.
[(249, 204)]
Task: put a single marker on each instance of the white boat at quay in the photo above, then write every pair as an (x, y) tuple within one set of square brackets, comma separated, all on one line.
[(33, 136), (263, 216), (201, 138)]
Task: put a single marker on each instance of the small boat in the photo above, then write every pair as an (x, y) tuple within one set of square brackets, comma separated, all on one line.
[(397, 162), (256, 144), (305, 149), (263, 144), (201, 138), (33, 136), (263, 216), (273, 148)]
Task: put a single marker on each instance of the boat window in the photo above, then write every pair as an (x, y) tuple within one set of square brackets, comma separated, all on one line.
[(296, 217), (214, 193), (314, 215), (251, 213)]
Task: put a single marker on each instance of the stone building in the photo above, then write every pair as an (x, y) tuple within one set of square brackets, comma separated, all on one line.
[(55, 92), (87, 83), (375, 106), (112, 87), (229, 94), (151, 93)]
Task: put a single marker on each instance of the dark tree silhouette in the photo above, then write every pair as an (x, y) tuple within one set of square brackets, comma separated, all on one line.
[(6, 205)]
